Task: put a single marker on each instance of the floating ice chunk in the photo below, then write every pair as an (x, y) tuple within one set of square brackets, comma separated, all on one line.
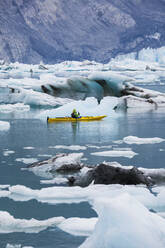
[(7, 108), (17, 246), (4, 125), (71, 158), (78, 226), (28, 148), (135, 102), (51, 195), (56, 194), (34, 98), (115, 153), (72, 147), (4, 186), (9, 224), (138, 141), (93, 146), (61, 162), (27, 160), (4, 193), (125, 222), (58, 180), (8, 152)]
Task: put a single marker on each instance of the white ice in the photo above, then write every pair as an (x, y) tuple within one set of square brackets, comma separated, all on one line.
[(58, 180), (8, 152), (125, 222), (68, 159), (4, 125), (89, 107), (19, 107), (115, 153), (28, 148), (27, 160), (9, 224), (139, 141), (78, 226), (71, 147), (75, 194), (17, 246), (115, 205)]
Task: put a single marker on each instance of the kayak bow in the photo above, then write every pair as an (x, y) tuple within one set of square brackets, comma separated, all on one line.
[(83, 118)]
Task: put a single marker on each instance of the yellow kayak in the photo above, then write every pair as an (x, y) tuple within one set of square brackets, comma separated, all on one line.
[(83, 118)]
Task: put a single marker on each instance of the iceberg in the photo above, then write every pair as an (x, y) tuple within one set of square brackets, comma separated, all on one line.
[(138, 141), (78, 226), (144, 229)]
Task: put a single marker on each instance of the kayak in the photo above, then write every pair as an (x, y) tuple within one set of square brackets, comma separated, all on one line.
[(83, 118)]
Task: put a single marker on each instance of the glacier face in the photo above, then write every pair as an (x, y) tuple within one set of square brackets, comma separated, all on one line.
[(57, 30)]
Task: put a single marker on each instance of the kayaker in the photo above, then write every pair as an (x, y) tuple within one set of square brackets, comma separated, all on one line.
[(75, 114)]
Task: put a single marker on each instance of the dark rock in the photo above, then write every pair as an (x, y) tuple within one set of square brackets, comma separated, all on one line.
[(106, 174), (82, 181), (66, 168)]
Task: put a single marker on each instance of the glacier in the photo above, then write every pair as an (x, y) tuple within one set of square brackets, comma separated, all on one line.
[(57, 30)]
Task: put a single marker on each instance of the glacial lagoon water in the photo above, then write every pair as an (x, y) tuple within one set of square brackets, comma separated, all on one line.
[(34, 138)]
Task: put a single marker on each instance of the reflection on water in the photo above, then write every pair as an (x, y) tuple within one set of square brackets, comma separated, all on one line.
[(75, 129)]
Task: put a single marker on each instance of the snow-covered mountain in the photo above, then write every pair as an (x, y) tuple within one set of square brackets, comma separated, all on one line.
[(57, 30)]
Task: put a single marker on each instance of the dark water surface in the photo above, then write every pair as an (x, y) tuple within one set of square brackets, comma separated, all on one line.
[(40, 135)]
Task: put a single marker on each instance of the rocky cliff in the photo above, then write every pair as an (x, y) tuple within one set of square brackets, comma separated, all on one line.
[(57, 30)]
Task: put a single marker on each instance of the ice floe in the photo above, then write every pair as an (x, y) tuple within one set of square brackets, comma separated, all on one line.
[(28, 148), (115, 153), (17, 246), (8, 152), (71, 147), (9, 224), (139, 141), (4, 125), (27, 160), (78, 226), (20, 107), (58, 180), (60, 162)]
